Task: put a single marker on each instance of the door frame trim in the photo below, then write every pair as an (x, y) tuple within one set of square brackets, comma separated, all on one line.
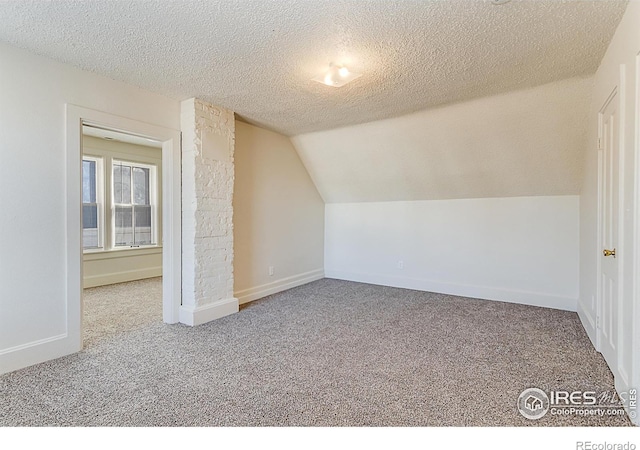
[(635, 282), (599, 243), (76, 116)]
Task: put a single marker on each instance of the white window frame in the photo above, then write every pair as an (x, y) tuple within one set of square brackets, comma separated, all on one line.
[(100, 185), (153, 201), (106, 210)]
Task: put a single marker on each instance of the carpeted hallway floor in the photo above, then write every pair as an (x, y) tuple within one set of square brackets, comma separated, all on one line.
[(330, 353)]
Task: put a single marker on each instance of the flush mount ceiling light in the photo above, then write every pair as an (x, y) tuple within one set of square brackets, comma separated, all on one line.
[(336, 76), (500, 2)]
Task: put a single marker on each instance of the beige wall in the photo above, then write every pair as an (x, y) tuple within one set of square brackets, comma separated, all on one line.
[(278, 216), (102, 268)]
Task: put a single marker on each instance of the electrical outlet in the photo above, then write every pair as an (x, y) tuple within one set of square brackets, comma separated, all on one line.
[(270, 271), (400, 265)]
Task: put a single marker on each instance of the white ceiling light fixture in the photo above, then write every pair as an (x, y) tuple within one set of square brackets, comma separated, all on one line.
[(336, 76), (499, 2)]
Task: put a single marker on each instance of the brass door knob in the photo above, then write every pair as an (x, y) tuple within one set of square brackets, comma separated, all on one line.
[(606, 252)]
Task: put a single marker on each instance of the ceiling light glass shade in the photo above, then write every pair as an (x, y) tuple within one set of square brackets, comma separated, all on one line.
[(337, 76)]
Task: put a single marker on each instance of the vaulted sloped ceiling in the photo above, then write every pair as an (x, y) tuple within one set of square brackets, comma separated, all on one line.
[(522, 143)]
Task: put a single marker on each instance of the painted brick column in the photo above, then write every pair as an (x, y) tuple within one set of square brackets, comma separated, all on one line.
[(208, 137)]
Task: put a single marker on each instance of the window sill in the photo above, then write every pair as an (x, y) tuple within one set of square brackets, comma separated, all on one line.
[(95, 255)]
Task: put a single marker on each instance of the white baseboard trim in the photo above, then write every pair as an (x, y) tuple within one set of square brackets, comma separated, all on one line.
[(588, 323), (121, 277), (35, 352), (202, 314), (464, 290), (254, 293)]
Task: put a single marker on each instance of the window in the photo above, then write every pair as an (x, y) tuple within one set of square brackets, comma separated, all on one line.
[(132, 204), (91, 206), (119, 201)]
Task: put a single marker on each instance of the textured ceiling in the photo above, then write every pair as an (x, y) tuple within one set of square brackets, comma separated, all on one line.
[(257, 57)]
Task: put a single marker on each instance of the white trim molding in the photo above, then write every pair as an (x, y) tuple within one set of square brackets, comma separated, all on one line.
[(171, 243), (122, 276), (206, 313), (257, 292), (35, 352), (464, 290), (588, 323)]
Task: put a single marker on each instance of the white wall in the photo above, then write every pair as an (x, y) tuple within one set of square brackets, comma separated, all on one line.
[(278, 216), (519, 249), (33, 93), (108, 267), (620, 67)]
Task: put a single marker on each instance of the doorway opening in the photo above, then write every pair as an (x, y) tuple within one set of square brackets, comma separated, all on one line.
[(123, 210), (121, 231)]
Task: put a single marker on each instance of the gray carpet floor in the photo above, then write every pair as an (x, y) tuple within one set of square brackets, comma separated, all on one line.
[(330, 353)]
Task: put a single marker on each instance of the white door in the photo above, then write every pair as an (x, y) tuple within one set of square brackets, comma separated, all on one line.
[(609, 141)]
